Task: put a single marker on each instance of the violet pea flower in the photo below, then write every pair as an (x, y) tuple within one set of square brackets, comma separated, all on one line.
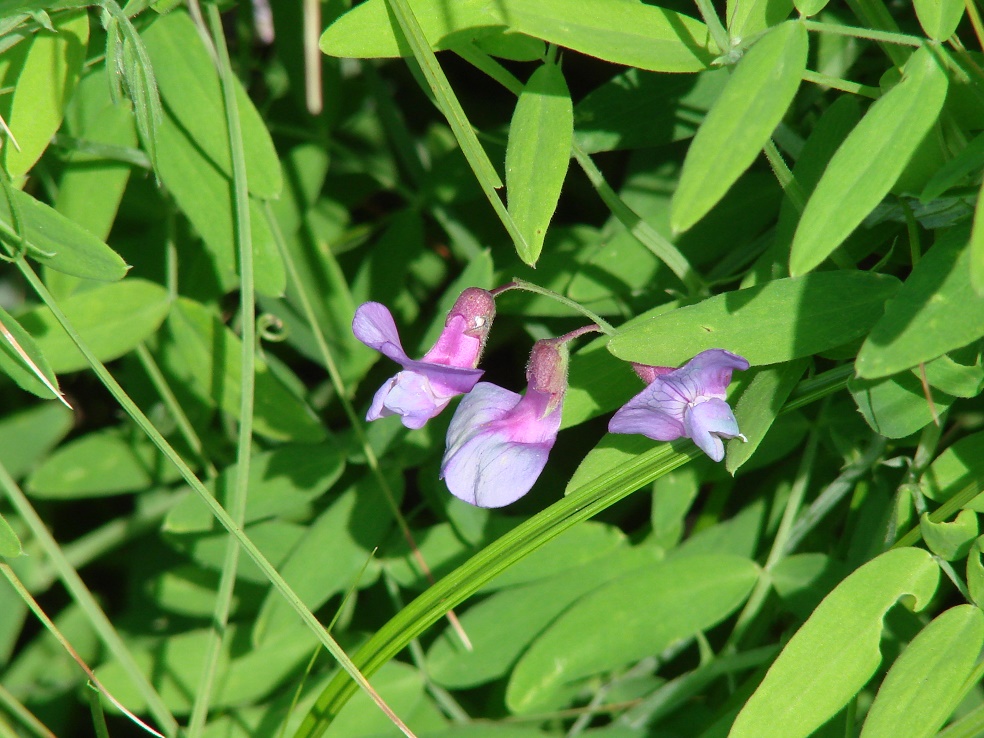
[(689, 401), (425, 387), (498, 441)]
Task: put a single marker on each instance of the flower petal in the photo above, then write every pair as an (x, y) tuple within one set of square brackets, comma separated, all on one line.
[(708, 422), (455, 346), (484, 404), (374, 326), (409, 395), (447, 381), (709, 372), (656, 412), (491, 471)]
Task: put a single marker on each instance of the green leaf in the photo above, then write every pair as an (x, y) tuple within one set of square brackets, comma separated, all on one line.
[(927, 681), (897, 406), (637, 615), (960, 465), (281, 482), (112, 320), (367, 30), (810, 7), (499, 638), (965, 163), (959, 380), (758, 407), (57, 242), (749, 17), (15, 342), (100, 464), (40, 80), (870, 160), (939, 18), (935, 311), (836, 651), (537, 155), (10, 545), (190, 90), (611, 452), (778, 321), (624, 32), (89, 192), (743, 118), (207, 360), (950, 541), (975, 573), (29, 435)]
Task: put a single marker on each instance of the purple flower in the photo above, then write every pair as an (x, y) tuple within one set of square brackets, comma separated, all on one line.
[(425, 387), (498, 441), (689, 401)]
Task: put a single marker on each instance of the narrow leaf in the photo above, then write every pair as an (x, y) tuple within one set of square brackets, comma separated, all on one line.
[(57, 242), (10, 545), (939, 18), (740, 123), (537, 155), (977, 247), (837, 650), (22, 360), (935, 311), (778, 321), (870, 161), (623, 32), (112, 319), (927, 681)]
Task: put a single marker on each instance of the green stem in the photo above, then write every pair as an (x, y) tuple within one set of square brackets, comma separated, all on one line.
[(890, 37), (219, 512), (87, 603), (836, 83), (718, 32), (786, 179), (522, 284), (247, 305)]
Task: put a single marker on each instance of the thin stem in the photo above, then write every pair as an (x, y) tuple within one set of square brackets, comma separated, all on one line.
[(522, 284), (87, 603), (975, 21), (219, 512), (836, 29), (788, 183), (354, 420), (244, 447), (836, 83), (718, 32)]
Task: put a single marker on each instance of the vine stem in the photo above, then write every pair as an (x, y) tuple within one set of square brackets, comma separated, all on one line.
[(522, 284)]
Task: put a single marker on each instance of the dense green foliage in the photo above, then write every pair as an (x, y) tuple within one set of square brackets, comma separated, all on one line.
[(196, 198)]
